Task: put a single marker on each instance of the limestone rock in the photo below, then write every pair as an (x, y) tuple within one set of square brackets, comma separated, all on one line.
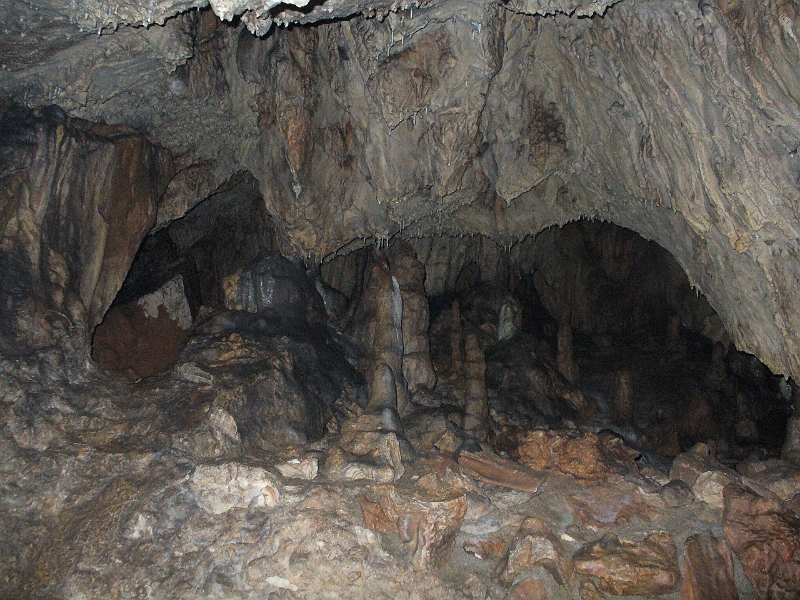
[(709, 569), (618, 502), (649, 567), (688, 466), (709, 486), (526, 589), (145, 337), (676, 493), (273, 285), (791, 447), (491, 468), (586, 456), (426, 521), (766, 538), (296, 468), (220, 488), (410, 274), (492, 547), (534, 544), (476, 407), (218, 436), (77, 200), (376, 323), (780, 477)]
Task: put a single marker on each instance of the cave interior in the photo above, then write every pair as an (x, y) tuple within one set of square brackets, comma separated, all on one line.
[(452, 299)]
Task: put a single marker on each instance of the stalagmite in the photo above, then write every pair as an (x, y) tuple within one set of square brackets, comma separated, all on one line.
[(456, 339), (566, 359), (509, 319), (476, 407), (622, 407)]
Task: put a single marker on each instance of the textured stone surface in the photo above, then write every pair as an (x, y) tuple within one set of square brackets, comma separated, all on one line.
[(427, 522), (144, 337), (491, 468), (369, 126), (583, 455), (708, 569), (649, 567), (77, 200), (766, 538), (534, 544)]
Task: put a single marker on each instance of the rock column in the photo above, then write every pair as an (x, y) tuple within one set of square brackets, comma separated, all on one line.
[(566, 358), (476, 405)]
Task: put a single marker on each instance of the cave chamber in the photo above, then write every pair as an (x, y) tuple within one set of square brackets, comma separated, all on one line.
[(454, 299)]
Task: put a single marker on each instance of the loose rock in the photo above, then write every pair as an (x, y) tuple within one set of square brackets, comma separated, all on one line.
[(766, 538), (427, 522), (649, 567)]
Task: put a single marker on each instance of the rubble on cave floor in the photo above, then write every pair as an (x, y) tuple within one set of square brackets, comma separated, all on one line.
[(183, 496)]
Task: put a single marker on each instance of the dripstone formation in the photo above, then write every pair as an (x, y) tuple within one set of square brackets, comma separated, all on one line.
[(355, 298)]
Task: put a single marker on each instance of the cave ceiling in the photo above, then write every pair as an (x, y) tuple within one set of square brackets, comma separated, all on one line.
[(677, 119)]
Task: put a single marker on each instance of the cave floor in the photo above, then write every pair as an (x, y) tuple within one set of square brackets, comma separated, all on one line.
[(113, 489)]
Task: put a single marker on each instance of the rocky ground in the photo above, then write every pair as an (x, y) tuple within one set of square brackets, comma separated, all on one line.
[(201, 483)]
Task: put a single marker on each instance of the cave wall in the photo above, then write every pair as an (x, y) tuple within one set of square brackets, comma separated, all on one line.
[(677, 120), (76, 199)]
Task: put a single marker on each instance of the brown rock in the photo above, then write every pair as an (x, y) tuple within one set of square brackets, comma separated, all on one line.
[(527, 589), (534, 544), (780, 477), (492, 547), (649, 567), (709, 569), (476, 407), (584, 455), (76, 200), (690, 465), (709, 485), (766, 538), (589, 591), (613, 503), (426, 521), (410, 275), (491, 468)]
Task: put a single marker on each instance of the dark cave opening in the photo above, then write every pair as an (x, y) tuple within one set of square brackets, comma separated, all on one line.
[(589, 308), (178, 270)]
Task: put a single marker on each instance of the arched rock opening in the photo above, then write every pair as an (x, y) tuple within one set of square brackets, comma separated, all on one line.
[(179, 269), (441, 120)]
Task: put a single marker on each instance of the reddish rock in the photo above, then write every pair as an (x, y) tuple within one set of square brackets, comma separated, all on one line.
[(589, 591), (426, 521), (527, 589), (690, 465), (146, 336), (584, 455), (77, 198), (709, 569), (492, 547), (534, 544), (613, 503), (649, 567), (766, 538), (780, 477), (491, 468)]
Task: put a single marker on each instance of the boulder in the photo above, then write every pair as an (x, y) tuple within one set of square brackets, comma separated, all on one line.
[(584, 455), (709, 569), (625, 567), (534, 545), (427, 521), (766, 538)]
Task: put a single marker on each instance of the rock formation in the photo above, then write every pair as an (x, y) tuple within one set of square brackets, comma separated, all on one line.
[(375, 246)]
